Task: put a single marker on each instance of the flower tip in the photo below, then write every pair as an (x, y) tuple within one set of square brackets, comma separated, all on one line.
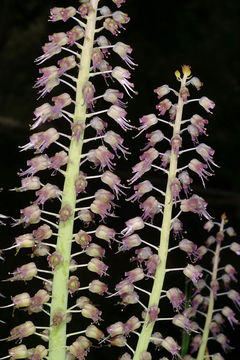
[(224, 217), (186, 69), (178, 75)]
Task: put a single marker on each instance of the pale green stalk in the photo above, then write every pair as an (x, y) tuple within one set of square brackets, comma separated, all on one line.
[(159, 277), (202, 349), (57, 337)]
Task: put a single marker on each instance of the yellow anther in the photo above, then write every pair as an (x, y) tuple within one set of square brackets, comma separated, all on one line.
[(178, 75), (186, 70)]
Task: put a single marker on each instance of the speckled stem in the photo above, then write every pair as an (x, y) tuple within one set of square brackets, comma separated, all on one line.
[(202, 349), (146, 332), (57, 338)]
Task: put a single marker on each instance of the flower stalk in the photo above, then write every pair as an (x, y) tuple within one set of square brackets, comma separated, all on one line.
[(67, 237), (57, 336), (159, 276), (212, 296)]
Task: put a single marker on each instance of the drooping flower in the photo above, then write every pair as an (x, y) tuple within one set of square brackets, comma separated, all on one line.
[(139, 169), (199, 122), (123, 50), (47, 192), (153, 138), (162, 91), (111, 25), (121, 18), (175, 187), (58, 160), (200, 169), (207, 153), (97, 57), (113, 96), (141, 189), (113, 181), (164, 106), (88, 91), (230, 315), (196, 82), (207, 104), (150, 208), (116, 142), (63, 14), (147, 121), (118, 114), (185, 181), (176, 297), (75, 34), (133, 225), (170, 345), (195, 204), (193, 273), (122, 75)]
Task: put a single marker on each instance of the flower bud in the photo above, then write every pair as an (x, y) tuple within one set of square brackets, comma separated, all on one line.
[(145, 355), (24, 330), (44, 232), (38, 353), (97, 266), (93, 332), (82, 300), (55, 259), (91, 312), (170, 345), (58, 318), (18, 352), (134, 275), (65, 213), (95, 250), (118, 340), (73, 284), (207, 104), (21, 300), (116, 329), (25, 272), (98, 287), (25, 241), (83, 239), (193, 273)]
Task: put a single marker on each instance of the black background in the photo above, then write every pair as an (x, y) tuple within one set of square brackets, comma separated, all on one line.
[(164, 35)]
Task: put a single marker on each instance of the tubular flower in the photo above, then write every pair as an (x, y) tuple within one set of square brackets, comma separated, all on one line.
[(122, 75), (207, 153), (118, 114), (207, 104), (114, 96), (195, 204), (76, 238), (164, 106), (123, 50), (55, 236), (200, 169), (162, 91)]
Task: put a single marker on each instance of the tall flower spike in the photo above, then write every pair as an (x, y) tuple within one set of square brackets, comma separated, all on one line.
[(74, 204), (64, 221), (162, 212)]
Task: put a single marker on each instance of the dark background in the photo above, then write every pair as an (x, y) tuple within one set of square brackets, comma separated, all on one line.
[(164, 35)]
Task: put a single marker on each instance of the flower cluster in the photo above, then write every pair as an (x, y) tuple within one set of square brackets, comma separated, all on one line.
[(67, 232), (162, 209), (64, 220)]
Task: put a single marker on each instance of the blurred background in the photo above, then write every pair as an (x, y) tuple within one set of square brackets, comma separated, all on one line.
[(164, 35)]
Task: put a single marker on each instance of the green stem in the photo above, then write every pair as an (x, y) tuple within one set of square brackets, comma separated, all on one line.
[(159, 277), (57, 337), (203, 346), (185, 335)]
